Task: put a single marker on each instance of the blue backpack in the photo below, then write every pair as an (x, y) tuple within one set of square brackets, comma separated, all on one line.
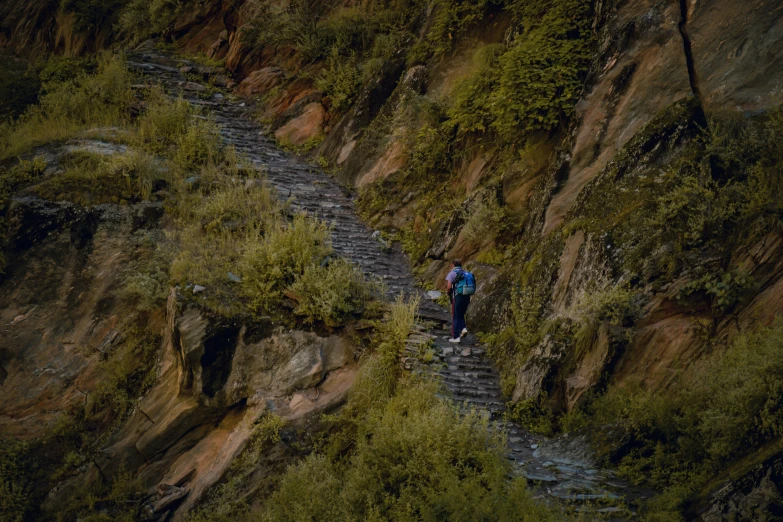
[(466, 283)]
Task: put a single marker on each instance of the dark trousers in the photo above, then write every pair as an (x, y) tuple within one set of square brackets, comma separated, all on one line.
[(458, 308)]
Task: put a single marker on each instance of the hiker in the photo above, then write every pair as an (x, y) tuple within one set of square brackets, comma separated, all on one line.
[(461, 285)]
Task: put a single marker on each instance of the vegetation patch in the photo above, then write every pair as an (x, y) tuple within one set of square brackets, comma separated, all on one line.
[(675, 440)]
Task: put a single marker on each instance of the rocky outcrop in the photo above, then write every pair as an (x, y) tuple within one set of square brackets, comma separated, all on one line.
[(58, 306), (217, 377), (642, 70), (749, 490), (62, 314)]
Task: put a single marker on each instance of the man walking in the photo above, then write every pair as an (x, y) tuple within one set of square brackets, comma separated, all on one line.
[(460, 285)]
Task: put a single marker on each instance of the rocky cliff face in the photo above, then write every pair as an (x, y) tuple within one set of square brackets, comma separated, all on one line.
[(192, 385), (549, 224)]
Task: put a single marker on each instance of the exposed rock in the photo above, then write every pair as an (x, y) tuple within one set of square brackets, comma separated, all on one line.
[(749, 491), (533, 375), (193, 86), (737, 53), (217, 377), (260, 81), (394, 158), (64, 261), (590, 369), (643, 71), (416, 79), (568, 261), (304, 127)]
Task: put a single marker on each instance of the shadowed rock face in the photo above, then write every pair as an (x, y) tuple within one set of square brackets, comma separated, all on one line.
[(57, 307), (216, 379)]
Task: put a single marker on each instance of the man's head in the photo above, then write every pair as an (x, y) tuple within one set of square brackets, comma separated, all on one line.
[(456, 263)]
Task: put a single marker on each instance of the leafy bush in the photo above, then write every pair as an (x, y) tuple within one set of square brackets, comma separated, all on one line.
[(102, 99), (614, 304), (163, 123), (274, 262), (451, 19), (535, 83), (414, 457), (200, 146), (328, 293), (677, 439), (339, 80), (485, 222), (141, 19), (146, 283), (724, 289)]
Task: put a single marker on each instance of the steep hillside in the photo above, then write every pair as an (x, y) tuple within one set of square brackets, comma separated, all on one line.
[(609, 169)]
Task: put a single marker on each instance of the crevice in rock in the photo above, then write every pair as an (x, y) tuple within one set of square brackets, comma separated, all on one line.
[(686, 43)]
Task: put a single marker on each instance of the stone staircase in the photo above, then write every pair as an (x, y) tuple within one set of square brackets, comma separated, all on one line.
[(557, 469)]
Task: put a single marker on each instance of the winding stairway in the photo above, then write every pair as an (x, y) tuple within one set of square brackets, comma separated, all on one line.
[(557, 469)]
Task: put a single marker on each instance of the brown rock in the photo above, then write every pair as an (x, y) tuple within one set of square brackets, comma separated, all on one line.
[(737, 53), (391, 161), (260, 81), (646, 75), (588, 373), (304, 127), (568, 261)]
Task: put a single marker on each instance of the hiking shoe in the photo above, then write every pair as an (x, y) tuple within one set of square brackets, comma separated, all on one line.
[(455, 340), (464, 332)]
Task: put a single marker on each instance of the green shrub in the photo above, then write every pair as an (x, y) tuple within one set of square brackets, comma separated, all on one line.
[(200, 146), (146, 278), (470, 109), (535, 83), (102, 99), (141, 19), (721, 410), (274, 262), (339, 80), (415, 457), (450, 20), (485, 222), (163, 123), (613, 304), (218, 227), (329, 293), (724, 289)]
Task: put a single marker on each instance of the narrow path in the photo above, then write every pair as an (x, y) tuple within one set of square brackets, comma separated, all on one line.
[(558, 468)]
